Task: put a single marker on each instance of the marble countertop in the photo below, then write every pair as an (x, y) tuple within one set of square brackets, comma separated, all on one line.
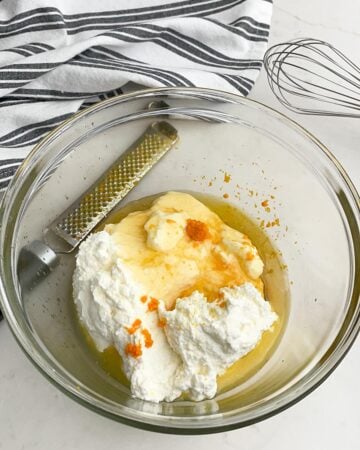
[(35, 415)]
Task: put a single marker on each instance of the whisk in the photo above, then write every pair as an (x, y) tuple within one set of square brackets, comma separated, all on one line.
[(310, 76)]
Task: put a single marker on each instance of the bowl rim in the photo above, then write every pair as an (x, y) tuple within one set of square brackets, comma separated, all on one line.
[(150, 423)]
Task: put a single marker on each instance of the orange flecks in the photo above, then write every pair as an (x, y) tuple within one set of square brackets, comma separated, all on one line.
[(153, 304), (133, 350), (249, 256), (134, 327), (226, 195), (170, 221), (143, 298), (162, 323), (196, 230), (148, 339), (222, 304), (274, 223), (227, 177), (265, 203)]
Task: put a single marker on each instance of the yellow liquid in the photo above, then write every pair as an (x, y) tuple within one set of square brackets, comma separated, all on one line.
[(276, 292)]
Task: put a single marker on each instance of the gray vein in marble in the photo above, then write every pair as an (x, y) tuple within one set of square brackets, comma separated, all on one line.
[(318, 25)]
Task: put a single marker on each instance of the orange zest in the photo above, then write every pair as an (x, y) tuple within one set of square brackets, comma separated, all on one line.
[(196, 230), (265, 203), (153, 304), (161, 323), (143, 299), (133, 350), (134, 327), (249, 256), (148, 339), (227, 177), (274, 223), (222, 304)]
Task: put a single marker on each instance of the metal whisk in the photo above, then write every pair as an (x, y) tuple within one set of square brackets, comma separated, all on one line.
[(310, 76)]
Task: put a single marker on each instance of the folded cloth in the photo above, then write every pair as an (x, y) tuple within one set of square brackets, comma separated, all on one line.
[(58, 56)]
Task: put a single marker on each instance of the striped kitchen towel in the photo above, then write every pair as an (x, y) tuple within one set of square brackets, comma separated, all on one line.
[(57, 56)]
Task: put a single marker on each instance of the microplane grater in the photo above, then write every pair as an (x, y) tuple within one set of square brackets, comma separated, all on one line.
[(74, 224)]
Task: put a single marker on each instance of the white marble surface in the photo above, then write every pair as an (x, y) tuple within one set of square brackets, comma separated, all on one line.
[(35, 415)]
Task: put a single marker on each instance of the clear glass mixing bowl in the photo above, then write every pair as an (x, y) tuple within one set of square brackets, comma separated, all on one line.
[(266, 155)]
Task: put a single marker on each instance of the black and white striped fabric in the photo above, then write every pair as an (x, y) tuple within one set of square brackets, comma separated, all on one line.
[(57, 56)]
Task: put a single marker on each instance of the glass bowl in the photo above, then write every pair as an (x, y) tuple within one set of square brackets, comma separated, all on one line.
[(313, 220)]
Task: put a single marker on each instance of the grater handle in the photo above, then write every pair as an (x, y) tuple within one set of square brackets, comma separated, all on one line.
[(36, 261)]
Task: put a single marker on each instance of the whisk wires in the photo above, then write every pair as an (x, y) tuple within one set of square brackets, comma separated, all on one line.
[(310, 76)]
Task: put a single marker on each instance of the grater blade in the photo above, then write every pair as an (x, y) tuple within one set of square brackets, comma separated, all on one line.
[(74, 224)]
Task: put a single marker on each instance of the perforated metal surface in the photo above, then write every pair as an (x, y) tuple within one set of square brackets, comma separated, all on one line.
[(78, 220)]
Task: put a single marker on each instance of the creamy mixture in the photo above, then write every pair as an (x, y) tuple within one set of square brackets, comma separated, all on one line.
[(177, 292)]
